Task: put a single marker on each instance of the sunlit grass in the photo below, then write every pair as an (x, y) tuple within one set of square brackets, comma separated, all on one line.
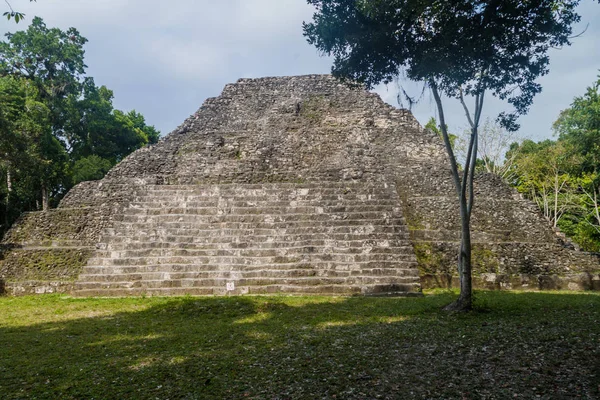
[(515, 345)]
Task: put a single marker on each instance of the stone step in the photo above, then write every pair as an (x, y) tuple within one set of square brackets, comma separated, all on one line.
[(243, 251), (248, 199), (489, 236), (261, 218), (260, 228), (179, 233), (222, 282), (152, 240), (278, 186), (114, 276), (340, 290), (253, 261), (274, 189), (258, 255), (224, 209), (324, 266), (324, 237), (329, 201), (265, 191)]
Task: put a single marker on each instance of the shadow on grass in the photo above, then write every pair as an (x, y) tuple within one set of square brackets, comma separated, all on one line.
[(522, 344)]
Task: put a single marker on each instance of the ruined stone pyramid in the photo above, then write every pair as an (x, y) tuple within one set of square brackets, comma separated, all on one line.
[(285, 185)]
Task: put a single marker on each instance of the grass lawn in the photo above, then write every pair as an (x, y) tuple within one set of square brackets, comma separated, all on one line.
[(516, 345)]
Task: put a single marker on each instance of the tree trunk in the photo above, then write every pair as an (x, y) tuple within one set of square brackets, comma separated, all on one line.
[(464, 188), (45, 197), (465, 299), (556, 190), (7, 201)]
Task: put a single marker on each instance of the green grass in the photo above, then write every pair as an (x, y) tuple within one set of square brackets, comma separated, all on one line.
[(517, 345)]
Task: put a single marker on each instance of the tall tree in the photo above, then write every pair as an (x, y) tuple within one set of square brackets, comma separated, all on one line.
[(28, 146), (50, 58), (57, 127), (579, 129), (94, 127), (579, 126), (461, 49)]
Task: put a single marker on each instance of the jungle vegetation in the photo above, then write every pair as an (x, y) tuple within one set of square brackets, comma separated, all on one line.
[(57, 127)]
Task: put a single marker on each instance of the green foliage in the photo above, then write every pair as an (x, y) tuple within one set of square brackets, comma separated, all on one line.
[(50, 58), (57, 127), (18, 16), (579, 127), (562, 176), (434, 127), (139, 123), (90, 168), (94, 127), (32, 157), (465, 47)]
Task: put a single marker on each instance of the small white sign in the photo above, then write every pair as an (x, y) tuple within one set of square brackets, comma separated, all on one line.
[(230, 286)]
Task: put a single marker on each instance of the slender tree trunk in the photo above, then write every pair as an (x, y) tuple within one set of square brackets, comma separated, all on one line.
[(465, 300), (465, 267), (7, 200), (464, 190), (44, 197), (596, 205), (545, 203), (556, 190)]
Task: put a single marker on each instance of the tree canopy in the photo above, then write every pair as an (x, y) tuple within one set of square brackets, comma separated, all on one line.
[(466, 47), (579, 125), (57, 128)]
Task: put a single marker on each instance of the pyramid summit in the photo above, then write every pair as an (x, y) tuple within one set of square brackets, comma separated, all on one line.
[(286, 185)]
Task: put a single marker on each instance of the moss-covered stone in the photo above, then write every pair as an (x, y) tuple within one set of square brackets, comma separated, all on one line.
[(54, 227), (484, 260), (430, 260), (314, 109), (43, 265)]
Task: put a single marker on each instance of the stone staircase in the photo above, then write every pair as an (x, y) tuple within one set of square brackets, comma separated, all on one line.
[(318, 238)]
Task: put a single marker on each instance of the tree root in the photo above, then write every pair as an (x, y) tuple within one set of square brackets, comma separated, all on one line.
[(460, 305)]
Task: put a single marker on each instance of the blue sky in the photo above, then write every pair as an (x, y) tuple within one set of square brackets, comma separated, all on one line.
[(164, 58)]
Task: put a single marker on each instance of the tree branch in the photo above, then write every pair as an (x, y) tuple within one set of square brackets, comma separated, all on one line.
[(462, 101), (444, 129)]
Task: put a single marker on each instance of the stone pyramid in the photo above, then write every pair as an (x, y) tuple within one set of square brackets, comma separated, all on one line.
[(297, 185)]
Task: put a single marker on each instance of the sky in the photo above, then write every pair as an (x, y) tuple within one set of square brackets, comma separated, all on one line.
[(164, 58)]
